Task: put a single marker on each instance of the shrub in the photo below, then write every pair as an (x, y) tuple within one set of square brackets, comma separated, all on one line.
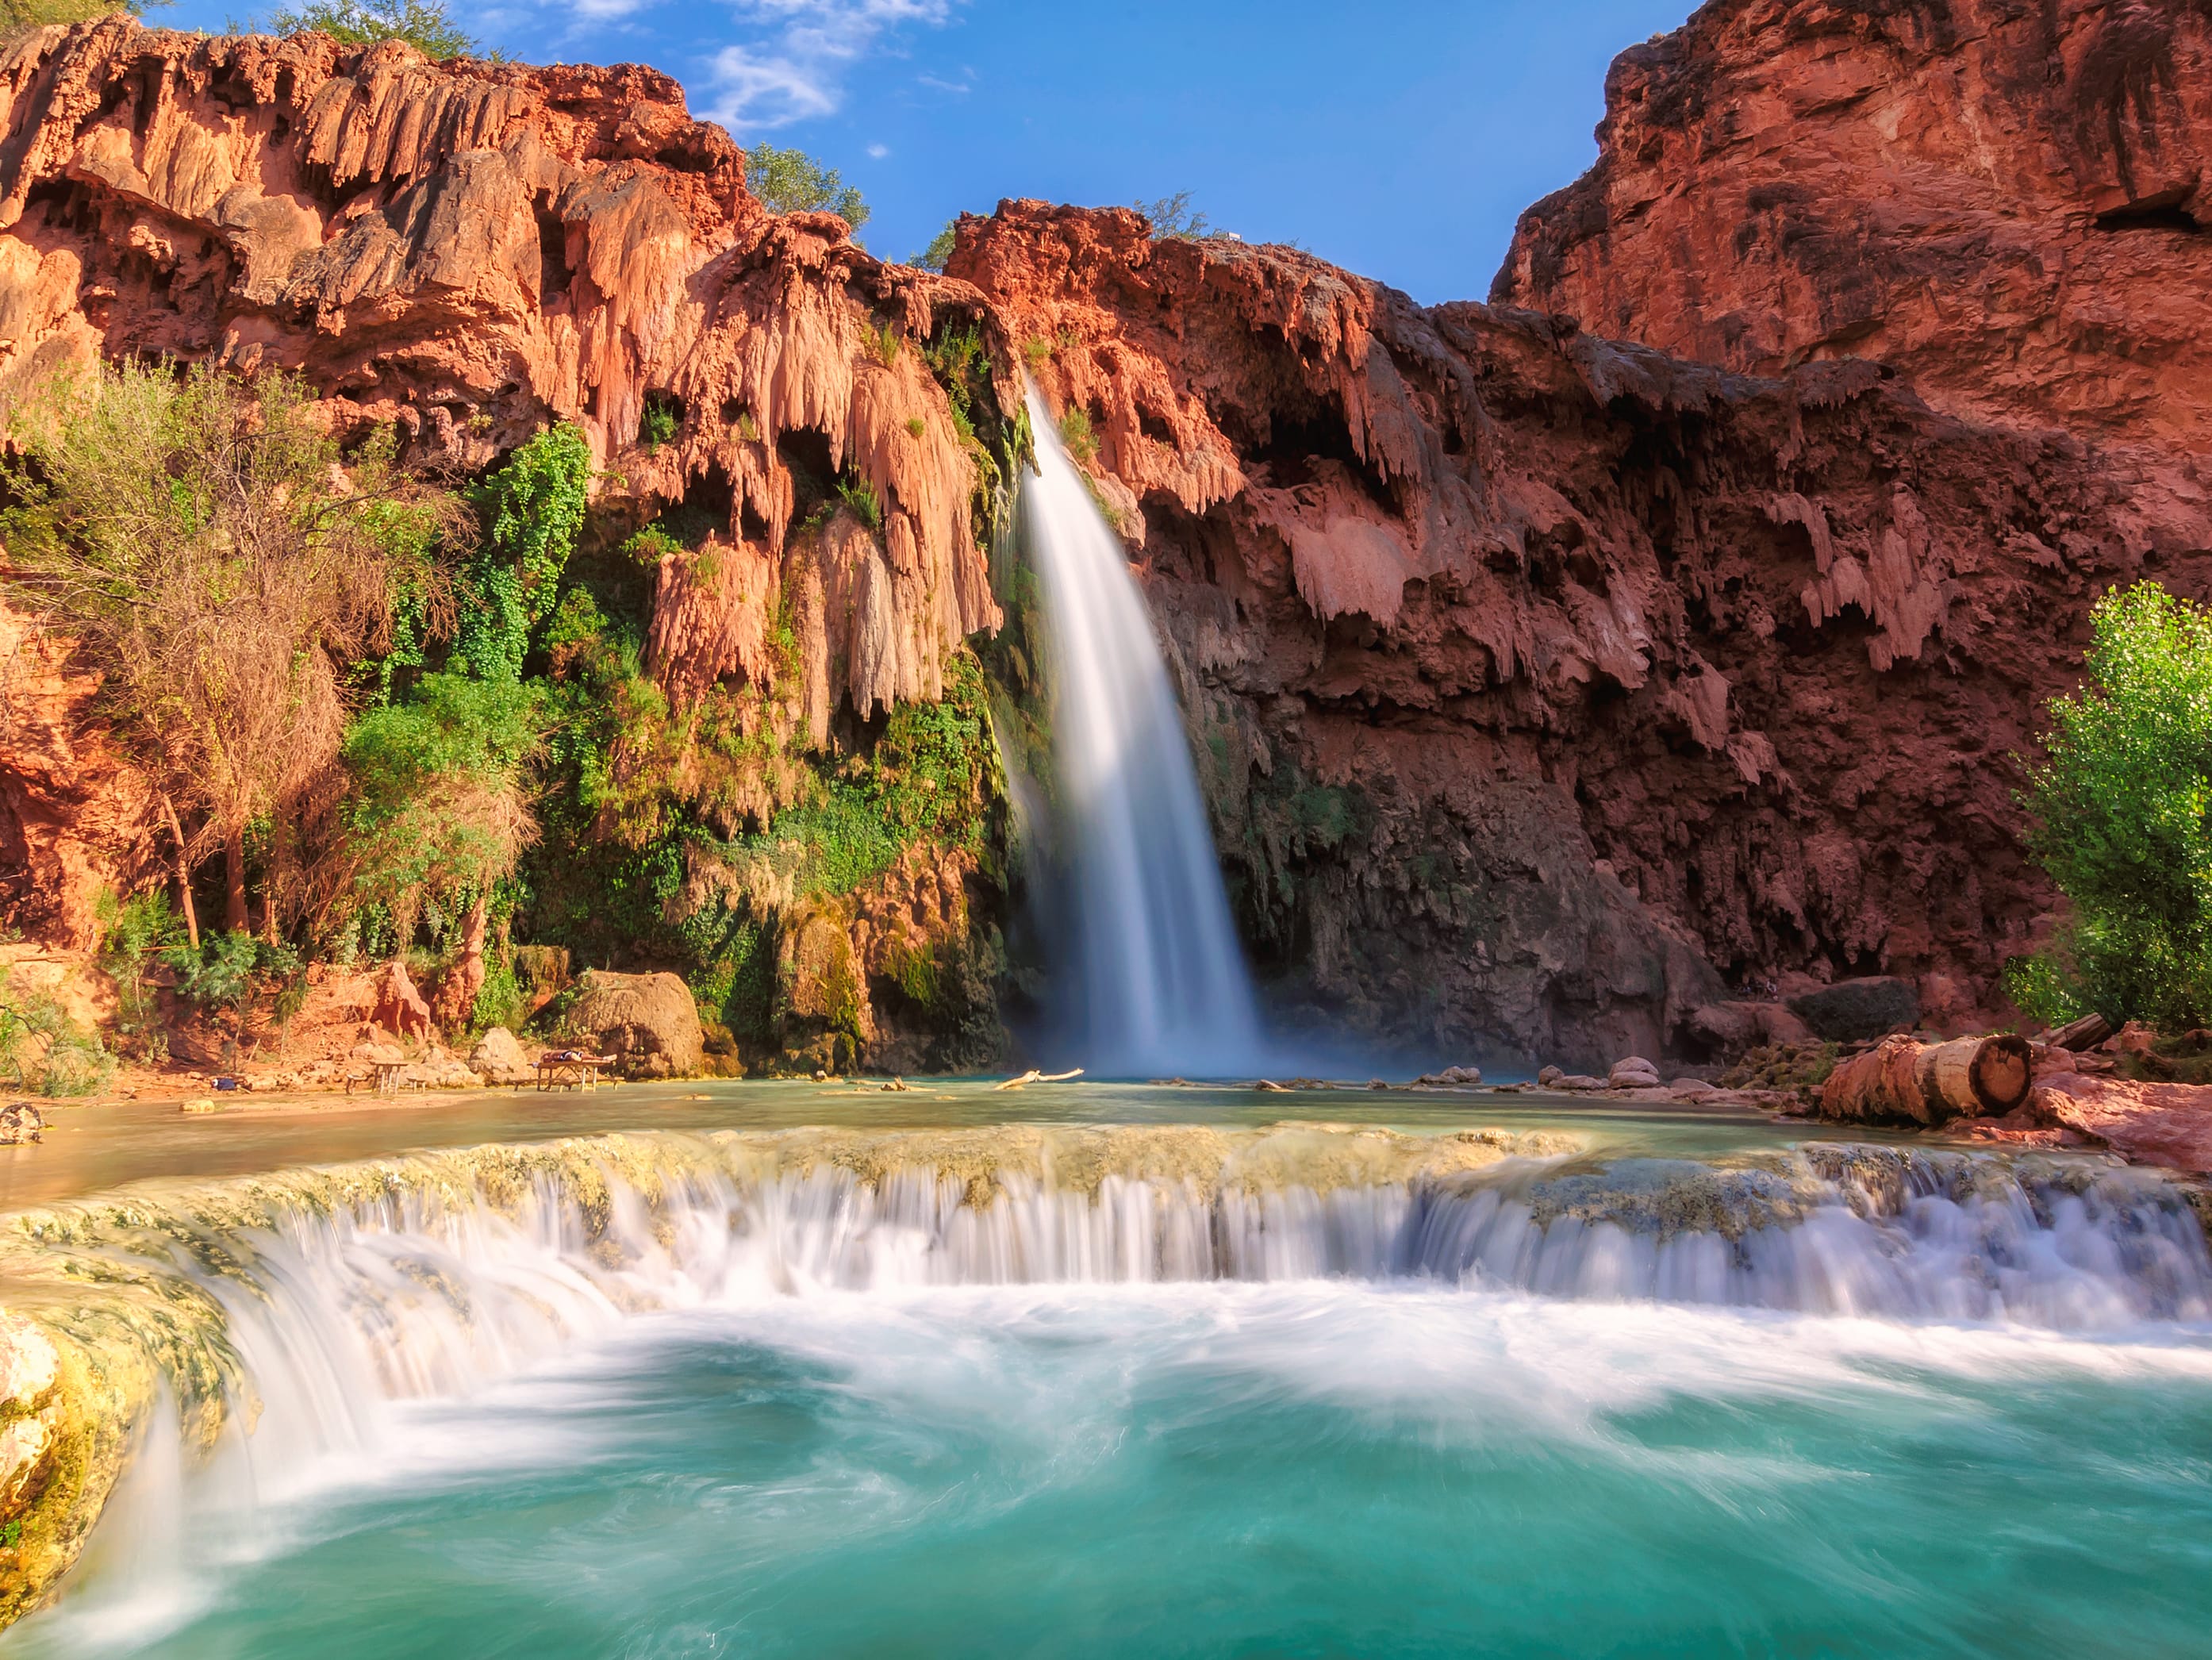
[(660, 421), (42, 1049), (2123, 814), (861, 496), (938, 253), (1173, 220), (1037, 351), (133, 932), (792, 182), (532, 510), (1076, 433), (426, 25)]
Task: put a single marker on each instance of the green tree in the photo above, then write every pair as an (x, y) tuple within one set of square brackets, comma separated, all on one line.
[(792, 182), (426, 25), (439, 809), (222, 562), (532, 510), (938, 253), (1173, 219), (2122, 810)]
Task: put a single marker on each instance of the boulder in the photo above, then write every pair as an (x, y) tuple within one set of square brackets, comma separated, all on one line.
[(1691, 1089), (1579, 1081), (1451, 1078), (20, 1121), (1734, 1028), (1855, 1010), (1633, 1073), (498, 1058), (648, 1022), (399, 1007), (1550, 1075)]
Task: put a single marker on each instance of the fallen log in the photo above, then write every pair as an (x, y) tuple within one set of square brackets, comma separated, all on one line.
[(2091, 1029), (1899, 1080), (1033, 1076)]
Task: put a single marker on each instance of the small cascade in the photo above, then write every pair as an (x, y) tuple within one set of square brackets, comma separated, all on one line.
[(250, 1338), (1163, 987)]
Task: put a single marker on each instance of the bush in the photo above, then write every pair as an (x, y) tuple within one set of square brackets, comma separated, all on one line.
[(1173, 220), (938, 253), (792, 182), (425, 25), (2123, 811), (42, 1049)]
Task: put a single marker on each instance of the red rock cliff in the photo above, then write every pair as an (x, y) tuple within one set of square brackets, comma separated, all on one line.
[(470, 250), (1524, 656), (2010, 202)]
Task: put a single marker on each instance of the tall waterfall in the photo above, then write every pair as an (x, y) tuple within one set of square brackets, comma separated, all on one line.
[(1164, 985)]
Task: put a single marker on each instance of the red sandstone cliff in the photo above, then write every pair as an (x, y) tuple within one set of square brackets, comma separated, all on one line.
[(1522, 656), (2011, 204), (1538, 679), (470, 250)]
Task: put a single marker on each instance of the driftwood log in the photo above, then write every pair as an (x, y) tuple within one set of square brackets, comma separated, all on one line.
[(1902, 1081), (2086, 1033)]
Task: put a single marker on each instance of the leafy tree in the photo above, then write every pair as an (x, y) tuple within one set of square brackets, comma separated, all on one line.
[(439, 809), (426, 25), (210, 549), (2123, 810), (1172, 218), (133, 931), (938, 253), (792, 182), (532, 510)]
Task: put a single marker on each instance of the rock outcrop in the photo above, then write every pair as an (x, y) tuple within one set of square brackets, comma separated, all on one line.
[(1533, 673), (2009, 203), (466, 251), (648, 1022)]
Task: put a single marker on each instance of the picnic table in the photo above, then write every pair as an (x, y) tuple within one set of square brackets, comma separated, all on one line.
[(570, 1069)]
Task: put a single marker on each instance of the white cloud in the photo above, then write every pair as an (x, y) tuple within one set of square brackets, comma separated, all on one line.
[(792, 65), (877, 152)]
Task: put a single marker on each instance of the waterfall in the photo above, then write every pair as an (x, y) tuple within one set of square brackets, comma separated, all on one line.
[(1163, 988)]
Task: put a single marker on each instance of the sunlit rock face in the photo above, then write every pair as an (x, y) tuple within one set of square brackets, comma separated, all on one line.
[(2011, 204), (468, 251), (1537, 676)]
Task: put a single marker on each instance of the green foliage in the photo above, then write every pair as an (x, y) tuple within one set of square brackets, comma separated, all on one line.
[(792, 182), (532, 509), (915, 426), (885, 344), (861, 496), (36, 13), (133, 932), (426, 25), (2123, 812), (1172, 219), (42, 1049), (1036, 351), (502, 1002), (2039, 989), (938, 253), (659, 422), (438, 812), (1077, 435), (239, 976)]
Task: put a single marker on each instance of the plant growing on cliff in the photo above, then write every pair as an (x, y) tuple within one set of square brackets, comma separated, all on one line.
[(938, 253), (792, 182), (429, 26), (532, 510), (214, 553), (2123, 811), (1172, 218)]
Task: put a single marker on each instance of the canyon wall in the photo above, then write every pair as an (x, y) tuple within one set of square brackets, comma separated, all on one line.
[(2010, 203), (1544, 680), (1545, 685)]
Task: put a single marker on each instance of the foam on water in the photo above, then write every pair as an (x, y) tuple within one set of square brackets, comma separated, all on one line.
[(436, 1333)]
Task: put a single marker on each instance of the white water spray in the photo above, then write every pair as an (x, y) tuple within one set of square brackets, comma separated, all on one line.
[(1165, 988)]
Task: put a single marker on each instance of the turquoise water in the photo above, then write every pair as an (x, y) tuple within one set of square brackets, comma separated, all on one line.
[(1683, 1392), (1314, 1468)]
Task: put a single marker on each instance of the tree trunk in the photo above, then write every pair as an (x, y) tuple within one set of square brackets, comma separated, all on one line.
[(184, 874), (2084, 1033), (233, 876), (1901, 1080), (469, 972), (272, 885)]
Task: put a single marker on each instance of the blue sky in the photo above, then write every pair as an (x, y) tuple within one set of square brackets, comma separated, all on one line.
[(1398, 139)]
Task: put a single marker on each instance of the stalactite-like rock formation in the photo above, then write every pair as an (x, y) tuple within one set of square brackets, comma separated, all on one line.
[(470, 250), (1538, 671)]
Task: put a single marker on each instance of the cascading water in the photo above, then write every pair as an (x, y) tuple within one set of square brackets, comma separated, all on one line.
[(376, 1330), (1163, 987)]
